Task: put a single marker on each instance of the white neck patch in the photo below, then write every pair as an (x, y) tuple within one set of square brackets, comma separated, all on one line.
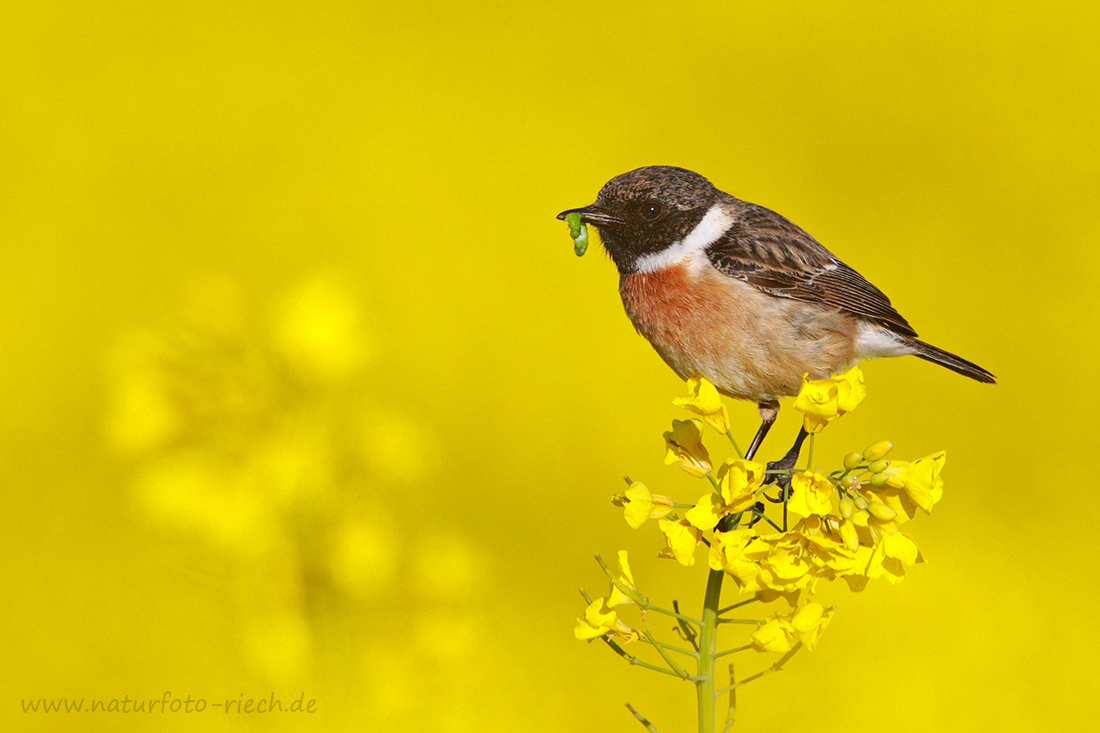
[(691, 250)]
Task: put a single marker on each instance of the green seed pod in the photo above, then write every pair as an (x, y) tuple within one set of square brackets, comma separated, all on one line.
[(852, 460), (878, 450), (878, 466)]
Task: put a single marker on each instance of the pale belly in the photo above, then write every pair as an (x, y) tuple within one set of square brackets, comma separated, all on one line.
[(749, 344)]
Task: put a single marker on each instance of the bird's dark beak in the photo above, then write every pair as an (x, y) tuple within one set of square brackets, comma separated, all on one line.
[(590, 215)]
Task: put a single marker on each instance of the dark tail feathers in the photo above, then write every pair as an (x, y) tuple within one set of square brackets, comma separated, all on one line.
[(937, 355)]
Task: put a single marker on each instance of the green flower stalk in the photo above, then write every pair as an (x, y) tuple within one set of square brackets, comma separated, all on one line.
[(775, 533)]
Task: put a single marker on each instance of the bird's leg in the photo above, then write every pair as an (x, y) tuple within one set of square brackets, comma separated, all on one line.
[(786, 463), (768, 411)]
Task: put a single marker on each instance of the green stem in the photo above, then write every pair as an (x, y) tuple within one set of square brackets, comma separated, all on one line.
[(689, 652), (634, 661), (641, 719), (734, 650), (729, 434), (708, 638), (666, 656), (745, 602)]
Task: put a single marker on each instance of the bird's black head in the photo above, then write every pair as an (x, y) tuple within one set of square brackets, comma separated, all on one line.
[(647, 210)]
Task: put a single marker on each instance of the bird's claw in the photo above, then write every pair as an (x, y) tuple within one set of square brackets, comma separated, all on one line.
[(784, 464)]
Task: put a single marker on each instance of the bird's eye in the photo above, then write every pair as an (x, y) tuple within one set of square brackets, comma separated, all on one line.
[(652, 210)]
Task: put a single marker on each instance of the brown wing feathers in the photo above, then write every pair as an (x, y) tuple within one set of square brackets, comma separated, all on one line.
[(772, 253)]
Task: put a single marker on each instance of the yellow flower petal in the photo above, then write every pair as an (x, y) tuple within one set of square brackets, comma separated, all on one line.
[(773, 636), (901, 547), (739, 481), (704, 400), (812, 494), (809, 621), (682, 539), (638, 505), (922, 481), (617, 597), (850, 389), (706, 513), (685, 445), (598, 620), (823, 400)]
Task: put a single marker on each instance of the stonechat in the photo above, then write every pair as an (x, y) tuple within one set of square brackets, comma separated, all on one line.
[(733, 292)]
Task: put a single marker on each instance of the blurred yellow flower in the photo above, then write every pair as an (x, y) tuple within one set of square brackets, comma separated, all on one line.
[(823, 400), (320, 333), (684, 445), (365, 555), (639, 504), (704, 400), (253, 437), (812, 493)]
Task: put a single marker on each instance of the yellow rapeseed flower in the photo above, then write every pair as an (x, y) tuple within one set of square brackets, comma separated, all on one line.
[(682, 538), (809, 621), (921, 480), (599, 618), (617, 597), (730, 554), (804, 624), (739, 481), (704, 400), (639, 504), (775, 635), (812, 493), (823, 400), (706, 513), (685, 446)]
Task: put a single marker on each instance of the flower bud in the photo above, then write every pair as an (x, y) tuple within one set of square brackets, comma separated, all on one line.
[(852, 460), (881, 511), (849, 535), (877, 451), (879, 466), (849, 481), (878, 479), (847, 507), (860, 501)]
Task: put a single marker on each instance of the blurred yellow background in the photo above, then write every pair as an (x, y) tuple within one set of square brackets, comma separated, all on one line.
[(303, 390)]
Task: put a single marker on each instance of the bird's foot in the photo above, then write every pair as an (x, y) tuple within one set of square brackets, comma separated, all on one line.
[(779, 473)]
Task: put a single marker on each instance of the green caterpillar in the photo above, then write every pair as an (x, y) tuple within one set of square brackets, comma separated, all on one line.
[(578, 230)]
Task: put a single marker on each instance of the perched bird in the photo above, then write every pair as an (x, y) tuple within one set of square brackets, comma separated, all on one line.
[(733, 292)]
